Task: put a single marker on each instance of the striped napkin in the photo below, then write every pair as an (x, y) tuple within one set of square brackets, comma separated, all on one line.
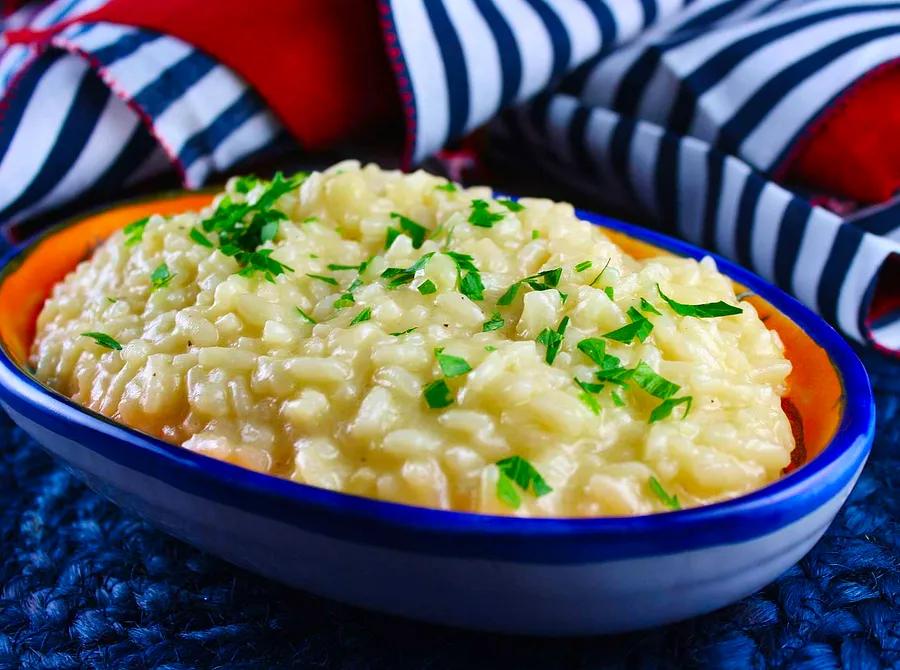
[(765, 130)]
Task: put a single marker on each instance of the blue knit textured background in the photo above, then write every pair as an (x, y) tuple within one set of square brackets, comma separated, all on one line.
[(84, 584)]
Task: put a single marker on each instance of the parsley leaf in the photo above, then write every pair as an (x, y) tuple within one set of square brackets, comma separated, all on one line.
[(590, 402), (610, 292), (535, 234), (134, 232), (664, 409), (335, 267), (669, 501), (449, 187), (653, 383), (200, 238), (517, 470), (470, 286), (481, 215), (404, 332), (614, 375), (597, 278), (415, 231), (707, 310), (364, 315), (617, 399), (306, 317), (427, 287), (345, 300), (451, 366), (648, 307), (553, 339), (593, 348), (494, 323), (639, 328), (509, 295), (400, 276), (583, 265), (246, 183), (588, 386), (104, 340), (544, 280), (323, 278), (511, 205), (160, 276), (437, 394)]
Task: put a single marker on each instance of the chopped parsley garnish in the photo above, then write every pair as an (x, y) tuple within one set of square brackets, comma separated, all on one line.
[(544, 280), (415, 231), (449, 187), (200, 238), (489, 348), (614, 375), (653, 383), (451, 366), (588, 386), (246, 183), (511, 205), (104, 340), (648, 307), (335, 267), (639, 328), (111, 300), (160, 276), (664, 409), (437, 394), (707, 310), (470, 284), (322, 278), (400, 276), (241, 238), (345, 300), (583, 265), (494, 323), (669, 501), (535, 234), (306, 317), (481, 215), (427, 287), (590, 402), (617, 399), (364, 315), (134, 232), (509, 295), (552, 339), (597, 278), (404, 332), (541, 281), (610, 292), (310, 219), (516, 471), (595, 349)]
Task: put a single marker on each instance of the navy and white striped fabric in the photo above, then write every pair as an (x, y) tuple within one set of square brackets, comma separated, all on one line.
[(684, 123), (677, 111), (108, 106)]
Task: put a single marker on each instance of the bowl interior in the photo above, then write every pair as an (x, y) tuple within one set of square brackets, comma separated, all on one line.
[(814, 402)]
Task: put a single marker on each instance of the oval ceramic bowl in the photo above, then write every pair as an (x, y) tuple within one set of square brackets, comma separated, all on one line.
[(546, 576)]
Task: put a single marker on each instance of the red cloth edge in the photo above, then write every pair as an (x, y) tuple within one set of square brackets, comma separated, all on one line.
[(852, 149), (320, 66)]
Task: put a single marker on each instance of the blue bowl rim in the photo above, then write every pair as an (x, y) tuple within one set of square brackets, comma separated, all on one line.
[(395, 524)]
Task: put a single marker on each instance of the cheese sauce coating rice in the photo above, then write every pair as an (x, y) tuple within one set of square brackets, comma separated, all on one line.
[(342, 329)]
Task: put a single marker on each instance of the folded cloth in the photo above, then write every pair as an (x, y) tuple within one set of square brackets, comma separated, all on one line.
[(766, 130)]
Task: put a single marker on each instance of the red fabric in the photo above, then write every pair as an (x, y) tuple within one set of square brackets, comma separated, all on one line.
[(853, 149), (320, 66)]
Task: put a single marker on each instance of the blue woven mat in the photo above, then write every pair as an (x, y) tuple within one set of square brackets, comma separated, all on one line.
[(84, 584)]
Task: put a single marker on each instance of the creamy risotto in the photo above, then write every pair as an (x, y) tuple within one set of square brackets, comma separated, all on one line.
[(400, 337)]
